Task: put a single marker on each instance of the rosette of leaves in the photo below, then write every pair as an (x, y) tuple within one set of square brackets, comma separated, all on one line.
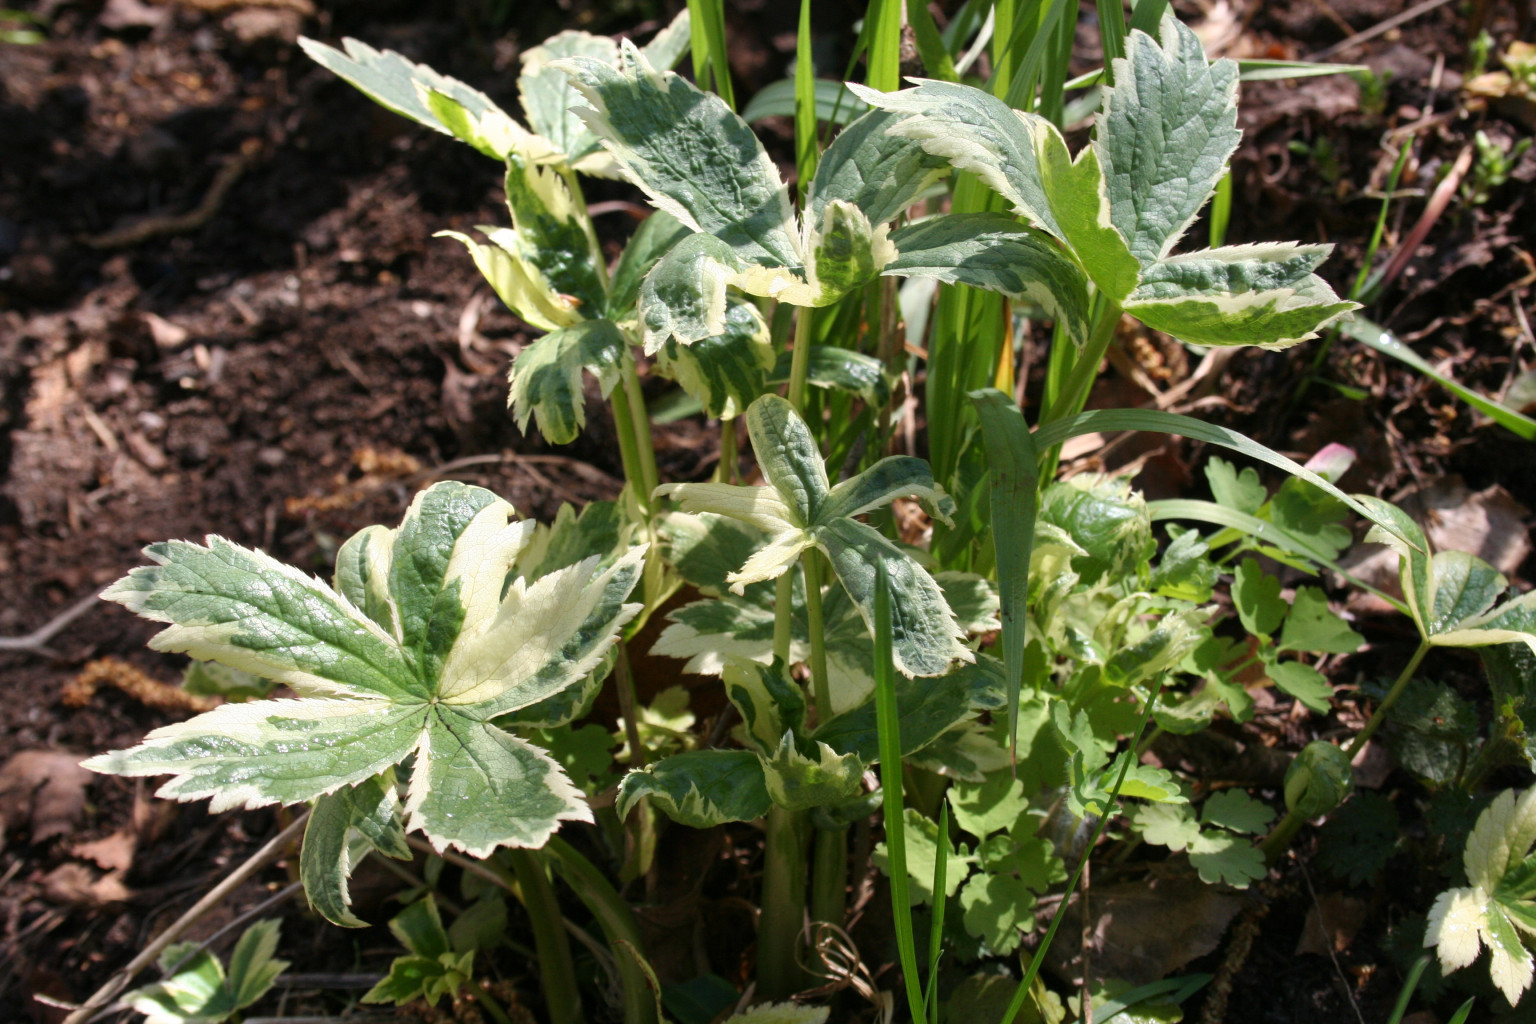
[(799, 509), (698, 161), (424, 641), (1112, 215), (432, 967), (1217, 840), (1304, 624), (1498, 908)]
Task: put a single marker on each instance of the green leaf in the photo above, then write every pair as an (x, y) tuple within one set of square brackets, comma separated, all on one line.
[(834, 102), (1432, 731), (999, 909), (923, 844), (199, 992), (465, 648), (700, 788), (1318, 780), (992, 251), (725, 372), (843, 369), (1236, 810), (683, 297), (983, 808), (691, 155), (975, 132), (1311, 626), (843, 251), (1104, 518), (343, 827), (208, 679), (252, 970), (880, 173), (789, 458), (1355, 846), (1168, 126), (1464, 588), (771, 706), (1303, 682), (926, 710), (1222, 858), (1241, 491), (546, 376), (1257, 597), (1170, 825)]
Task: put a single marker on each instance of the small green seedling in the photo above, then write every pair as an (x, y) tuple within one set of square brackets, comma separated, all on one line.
[(198, 990)]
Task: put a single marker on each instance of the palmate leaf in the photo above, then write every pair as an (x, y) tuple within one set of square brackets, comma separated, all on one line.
[(343, 827), (799, 509), (419, 648), (1500, 904)]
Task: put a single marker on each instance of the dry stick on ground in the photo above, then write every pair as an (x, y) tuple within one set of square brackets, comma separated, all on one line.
[(36, 642), (1380, 29), (120, 979), (1438, 201)]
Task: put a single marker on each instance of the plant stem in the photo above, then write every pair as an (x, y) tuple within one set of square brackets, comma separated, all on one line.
[(1380, 713), (557, 971), (629, 452), (829, 876), (618, 924), (800, 357), (1074, 393), (1280, 838), (726, 471), (649, 475), (783, 906)]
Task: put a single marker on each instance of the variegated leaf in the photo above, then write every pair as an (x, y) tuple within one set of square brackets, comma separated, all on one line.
[(652, 240), (683, 296), (554, 236), (842, 369), (1168, 127), (800, 781), (407, 88), (992, 251), (343, 827), (547, 95), (771, 705), (517, 283), (977, 132), (701, 788), (880, 173), (843, 251), (546, 382), (926, 709), (728, 371), (1080, 202), (445, 647), (690, 153)]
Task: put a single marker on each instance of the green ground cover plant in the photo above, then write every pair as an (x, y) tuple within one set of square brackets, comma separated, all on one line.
[(1005, 675)]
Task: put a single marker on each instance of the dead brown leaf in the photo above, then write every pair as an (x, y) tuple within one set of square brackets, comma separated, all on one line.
[(1146, 930), (111, 853), (1333, 921), (74, 883), (42, 791)]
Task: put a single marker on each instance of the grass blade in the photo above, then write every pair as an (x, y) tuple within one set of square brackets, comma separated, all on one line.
[(1112, 33), (1414, 973), (884, 45), (805, 103), (1148, 15), (1374, 336), (711, 64), (937, 63), (889, 725), (1015, 499), (1461, 1014), (1221, 210), (936, 928)]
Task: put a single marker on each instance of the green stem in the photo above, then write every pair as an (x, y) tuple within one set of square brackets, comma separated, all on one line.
[(629, 452), (618, 924), (726, 471), (800, 357), (1279, 839), (557, 971), (650, 477), (1386, 704), (1074, 393), (1038, 960), (829, 876), (783, 601), (490, 1004), (783, 906)]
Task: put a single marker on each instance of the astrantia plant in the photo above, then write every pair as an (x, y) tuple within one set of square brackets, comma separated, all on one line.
[(420, 645)]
